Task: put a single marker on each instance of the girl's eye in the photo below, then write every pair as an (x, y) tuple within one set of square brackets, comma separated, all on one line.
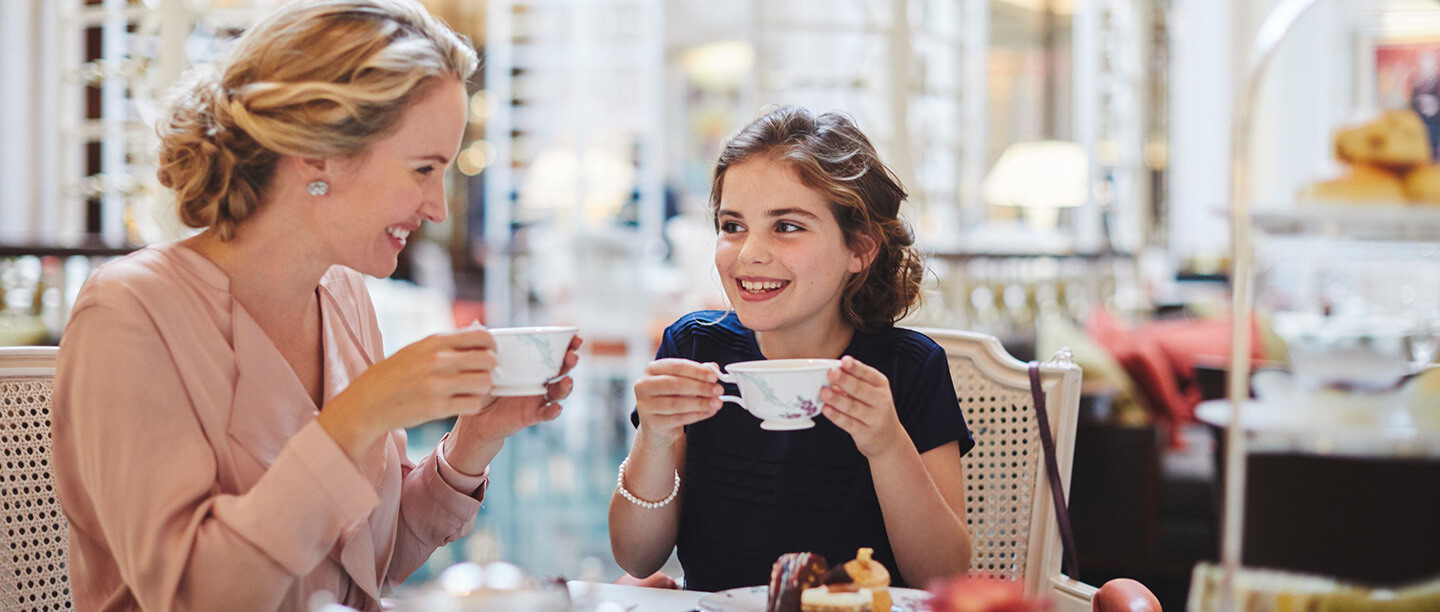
[(786, 227), (730, 227), (426, 170)]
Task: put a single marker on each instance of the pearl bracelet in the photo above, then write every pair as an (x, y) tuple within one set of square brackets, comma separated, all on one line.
[(620, 486)]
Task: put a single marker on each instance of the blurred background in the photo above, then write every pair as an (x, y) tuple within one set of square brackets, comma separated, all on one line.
[(580, 195)]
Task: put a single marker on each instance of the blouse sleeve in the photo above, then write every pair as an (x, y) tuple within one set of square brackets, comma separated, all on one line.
[(438, 504), (130, 446), (930, 410)]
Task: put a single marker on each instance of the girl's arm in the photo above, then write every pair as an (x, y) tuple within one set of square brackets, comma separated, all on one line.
[(923, 502), (672, 394), (921, 496)]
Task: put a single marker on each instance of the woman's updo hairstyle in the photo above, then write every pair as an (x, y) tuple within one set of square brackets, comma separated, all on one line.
[(318, 79), (833, 157)]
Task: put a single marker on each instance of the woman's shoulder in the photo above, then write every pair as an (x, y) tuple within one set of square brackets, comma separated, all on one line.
[(154, 273)]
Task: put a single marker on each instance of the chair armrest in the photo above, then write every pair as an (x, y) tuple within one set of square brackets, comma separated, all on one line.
[(1070, 595), (1125, 595)]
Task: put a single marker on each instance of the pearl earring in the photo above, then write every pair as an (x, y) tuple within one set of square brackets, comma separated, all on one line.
[(318, 188)]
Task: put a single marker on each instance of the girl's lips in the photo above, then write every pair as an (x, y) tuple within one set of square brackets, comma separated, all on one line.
[(767, 289)]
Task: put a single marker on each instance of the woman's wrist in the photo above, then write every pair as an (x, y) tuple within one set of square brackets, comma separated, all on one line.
[(350, 434), (470, 457)]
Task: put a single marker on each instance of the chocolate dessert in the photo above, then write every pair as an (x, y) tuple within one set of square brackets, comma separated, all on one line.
[(791, 574)]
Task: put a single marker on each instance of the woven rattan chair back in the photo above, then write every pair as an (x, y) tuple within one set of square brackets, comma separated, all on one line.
[(1013, 531), (34, 541)]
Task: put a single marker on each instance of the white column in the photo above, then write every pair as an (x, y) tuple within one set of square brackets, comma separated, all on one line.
[(974, 101), (16, 83), (1202, 69), (1085, 97)]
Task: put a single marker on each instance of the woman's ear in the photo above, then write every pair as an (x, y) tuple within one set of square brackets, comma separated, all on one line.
[(866, 248)]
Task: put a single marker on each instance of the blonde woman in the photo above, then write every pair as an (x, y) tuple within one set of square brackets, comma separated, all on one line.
[(228, 434)]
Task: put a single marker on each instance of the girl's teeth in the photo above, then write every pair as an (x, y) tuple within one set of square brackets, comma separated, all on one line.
[(761, 286), (398, 233)]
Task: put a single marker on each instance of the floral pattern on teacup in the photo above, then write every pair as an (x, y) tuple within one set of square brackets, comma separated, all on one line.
[(800, 407)]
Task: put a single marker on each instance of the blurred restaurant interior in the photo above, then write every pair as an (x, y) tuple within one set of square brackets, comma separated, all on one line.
[(1071, 166)]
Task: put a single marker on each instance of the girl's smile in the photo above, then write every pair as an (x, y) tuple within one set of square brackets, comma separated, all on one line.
[(782, 255)]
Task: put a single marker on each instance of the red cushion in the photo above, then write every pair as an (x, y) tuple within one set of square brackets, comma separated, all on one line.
[(1148, 365)]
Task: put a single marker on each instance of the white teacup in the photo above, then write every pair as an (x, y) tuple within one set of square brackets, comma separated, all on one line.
[(528, 358), (783, 393)]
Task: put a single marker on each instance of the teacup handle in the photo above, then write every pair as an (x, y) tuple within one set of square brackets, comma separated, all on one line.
[(728, 378)]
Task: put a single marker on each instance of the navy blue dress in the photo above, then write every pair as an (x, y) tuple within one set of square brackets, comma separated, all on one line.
[(751, 495)]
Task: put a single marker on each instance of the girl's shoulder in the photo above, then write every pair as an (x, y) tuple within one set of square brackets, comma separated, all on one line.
[(900, 344), (707, 323)]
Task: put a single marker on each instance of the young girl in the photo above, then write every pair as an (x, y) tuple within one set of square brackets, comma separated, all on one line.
[(816, 263)]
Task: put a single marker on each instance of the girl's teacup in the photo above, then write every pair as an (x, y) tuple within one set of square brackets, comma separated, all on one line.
[(783, 393), (528, 358)]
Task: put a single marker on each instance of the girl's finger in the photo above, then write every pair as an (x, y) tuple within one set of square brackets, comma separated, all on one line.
[(845, 422), (683, 368), (662, 386), (675, 405), (853, 408), (856, 368)]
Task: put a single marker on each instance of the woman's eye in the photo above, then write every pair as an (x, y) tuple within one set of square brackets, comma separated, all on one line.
[(730, 227), (786, 227), (426, 170)]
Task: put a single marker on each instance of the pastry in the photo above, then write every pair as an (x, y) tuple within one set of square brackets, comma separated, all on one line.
[(790, 575), (1397, 139), (1364, 184), (1422, 184), (865, 573), (838, 598)]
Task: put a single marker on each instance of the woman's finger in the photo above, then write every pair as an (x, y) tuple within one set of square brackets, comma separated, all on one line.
[(559, 389)]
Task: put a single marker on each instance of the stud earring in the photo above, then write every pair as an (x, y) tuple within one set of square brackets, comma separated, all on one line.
[(318, 188)]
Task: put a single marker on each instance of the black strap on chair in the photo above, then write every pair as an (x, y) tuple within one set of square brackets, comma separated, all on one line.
[(1052, 469)]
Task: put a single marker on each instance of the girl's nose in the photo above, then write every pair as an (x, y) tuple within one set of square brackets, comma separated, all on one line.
[(754, 250)]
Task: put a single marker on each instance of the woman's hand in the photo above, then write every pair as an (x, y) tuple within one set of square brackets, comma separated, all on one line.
[(476, 438), (858, 401), (674, 393), (444, 375)]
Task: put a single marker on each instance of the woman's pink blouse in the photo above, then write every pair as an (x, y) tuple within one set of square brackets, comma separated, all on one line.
[(191, 468)]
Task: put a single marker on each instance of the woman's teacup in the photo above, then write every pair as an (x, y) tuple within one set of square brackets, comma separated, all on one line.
[(528, 358), (783, 393)]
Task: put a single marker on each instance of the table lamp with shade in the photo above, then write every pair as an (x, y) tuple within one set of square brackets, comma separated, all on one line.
[(1040, 178)]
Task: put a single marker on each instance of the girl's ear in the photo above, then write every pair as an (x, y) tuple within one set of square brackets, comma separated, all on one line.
[(867, 247)]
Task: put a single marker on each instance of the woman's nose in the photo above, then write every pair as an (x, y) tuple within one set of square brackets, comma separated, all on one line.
[(434, 208)]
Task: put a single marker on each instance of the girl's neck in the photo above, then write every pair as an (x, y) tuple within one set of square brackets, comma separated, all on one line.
[(814, 339)]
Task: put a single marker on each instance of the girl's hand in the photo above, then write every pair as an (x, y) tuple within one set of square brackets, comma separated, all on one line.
[(858, 401), (477, 437), (444, 375), (674, 393)]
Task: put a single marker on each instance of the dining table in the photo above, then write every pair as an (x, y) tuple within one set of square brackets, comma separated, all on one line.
[(607, 597)]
